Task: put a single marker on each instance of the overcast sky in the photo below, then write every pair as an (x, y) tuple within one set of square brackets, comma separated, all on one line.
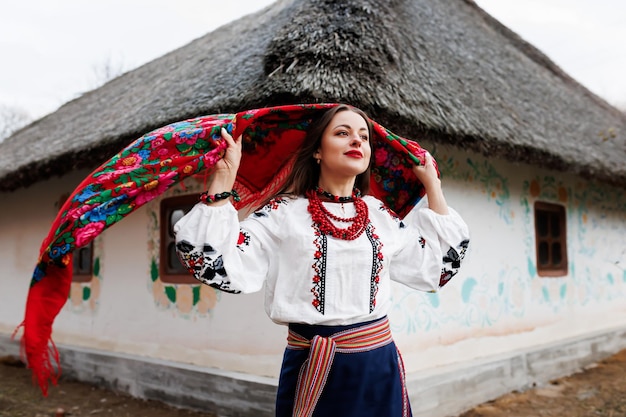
[(51, 51)]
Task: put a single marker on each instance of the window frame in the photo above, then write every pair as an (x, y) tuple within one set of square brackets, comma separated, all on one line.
[(79, 274), (551, 269), (167, 207), (82, 274)]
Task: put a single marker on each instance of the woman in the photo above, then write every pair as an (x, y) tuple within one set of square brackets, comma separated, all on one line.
[(327, 252)]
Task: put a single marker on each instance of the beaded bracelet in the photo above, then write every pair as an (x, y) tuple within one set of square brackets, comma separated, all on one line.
[(206, 198)]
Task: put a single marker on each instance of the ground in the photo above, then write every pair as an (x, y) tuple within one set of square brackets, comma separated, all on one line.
[(20, 398), (599, 390)]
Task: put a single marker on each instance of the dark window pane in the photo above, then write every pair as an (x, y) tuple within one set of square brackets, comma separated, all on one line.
[(174, 265), (81, 261), (556, 254), (544, 255), (555, 225), (551, 239), (84, 259), (542, 223), (76, 261)]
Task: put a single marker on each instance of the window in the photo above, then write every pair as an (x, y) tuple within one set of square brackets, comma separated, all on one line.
[(82, 258), (82, 263), (550, 239), (170, 268)]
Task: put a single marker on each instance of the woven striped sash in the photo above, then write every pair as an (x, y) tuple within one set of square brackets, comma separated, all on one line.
[(315, 370)]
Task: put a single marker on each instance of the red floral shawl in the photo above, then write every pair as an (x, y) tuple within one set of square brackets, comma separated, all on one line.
[(164, 157)]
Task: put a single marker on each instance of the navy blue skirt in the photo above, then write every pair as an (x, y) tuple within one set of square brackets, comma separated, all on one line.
[(364, 384)]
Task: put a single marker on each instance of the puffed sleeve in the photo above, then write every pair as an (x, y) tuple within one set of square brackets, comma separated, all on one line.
[(432, 249), (221, 252)]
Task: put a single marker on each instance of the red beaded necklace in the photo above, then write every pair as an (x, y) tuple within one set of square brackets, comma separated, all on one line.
[(322, 217)]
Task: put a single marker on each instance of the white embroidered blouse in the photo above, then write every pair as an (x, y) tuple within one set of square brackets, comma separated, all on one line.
[(313, 278)]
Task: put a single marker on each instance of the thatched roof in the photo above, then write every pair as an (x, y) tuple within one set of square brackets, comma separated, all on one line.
[(442, 70)]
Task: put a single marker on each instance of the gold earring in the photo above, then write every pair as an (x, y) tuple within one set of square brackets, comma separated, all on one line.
[(318, 160)]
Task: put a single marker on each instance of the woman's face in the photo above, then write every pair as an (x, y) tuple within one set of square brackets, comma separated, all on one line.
[(345, 148)]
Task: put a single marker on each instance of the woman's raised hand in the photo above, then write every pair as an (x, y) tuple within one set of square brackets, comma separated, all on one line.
[(225, 174), (232, 157), (229, 164), (427, 175)]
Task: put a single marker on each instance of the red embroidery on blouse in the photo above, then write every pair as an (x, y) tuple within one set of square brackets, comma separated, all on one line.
[(273, 204), (243, 240), (319, 267), (392, 213)]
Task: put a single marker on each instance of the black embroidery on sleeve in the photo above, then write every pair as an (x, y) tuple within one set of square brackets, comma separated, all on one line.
[(206, 265), (452, 262)]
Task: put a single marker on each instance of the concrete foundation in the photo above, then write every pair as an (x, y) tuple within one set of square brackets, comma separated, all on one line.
[(440, 392), (451, 390)]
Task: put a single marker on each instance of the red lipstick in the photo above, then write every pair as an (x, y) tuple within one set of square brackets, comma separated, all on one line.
[(354, 154)]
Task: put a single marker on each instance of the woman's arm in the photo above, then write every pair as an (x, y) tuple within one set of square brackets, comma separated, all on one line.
[(225, 173), (434, 239), (427, 174), (210, 242)]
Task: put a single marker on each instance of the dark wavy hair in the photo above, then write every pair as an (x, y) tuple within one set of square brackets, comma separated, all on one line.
[(305, 172)]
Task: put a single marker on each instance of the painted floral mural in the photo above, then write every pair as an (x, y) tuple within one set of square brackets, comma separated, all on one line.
[(511, 289)]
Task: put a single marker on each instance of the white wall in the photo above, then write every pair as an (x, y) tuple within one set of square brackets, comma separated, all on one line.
[(496, 304)]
